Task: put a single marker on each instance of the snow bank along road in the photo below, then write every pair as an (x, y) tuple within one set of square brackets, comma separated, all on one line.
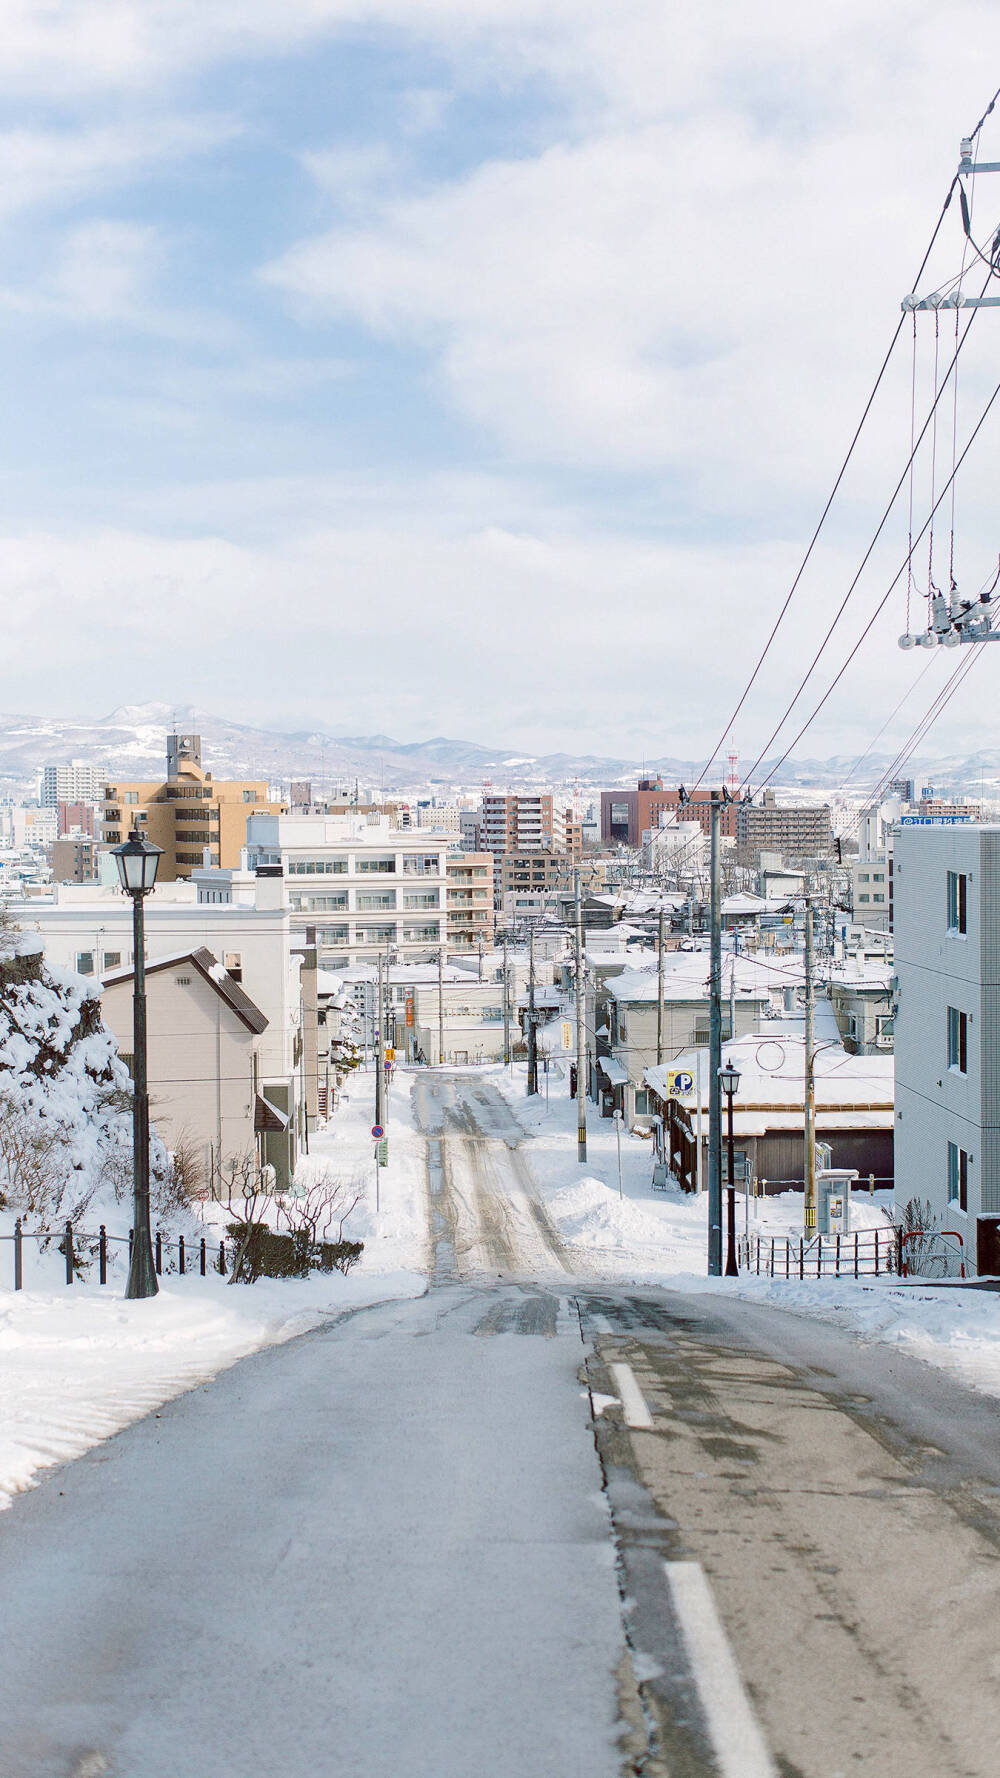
[(393, 1545)]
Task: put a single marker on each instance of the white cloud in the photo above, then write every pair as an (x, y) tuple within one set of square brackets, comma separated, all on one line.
[(508, 635), (46, 166)]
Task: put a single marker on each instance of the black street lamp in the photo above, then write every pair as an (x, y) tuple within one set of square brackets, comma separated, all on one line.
[(137, 860), (729, 1081)]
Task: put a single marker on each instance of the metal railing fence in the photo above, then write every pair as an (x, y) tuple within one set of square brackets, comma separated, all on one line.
[(861, 1253), (80, 1249)]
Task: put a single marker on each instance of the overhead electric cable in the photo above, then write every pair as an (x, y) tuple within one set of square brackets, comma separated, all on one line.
[(810, 719), (972, 137), (859, 762), (927, 721), (883, 521)]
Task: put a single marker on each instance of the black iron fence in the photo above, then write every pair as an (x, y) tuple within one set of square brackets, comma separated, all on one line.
[(863, 1253), (80, 1250)]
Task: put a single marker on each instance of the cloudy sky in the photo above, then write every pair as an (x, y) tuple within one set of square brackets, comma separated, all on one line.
[(478, 367)]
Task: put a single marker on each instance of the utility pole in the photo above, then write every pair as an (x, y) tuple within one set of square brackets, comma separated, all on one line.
[(659, 987), (379, 1057), (390, 1024), (809, 1170), (440, 1004), (506, 1008), (532, 1053), (715, 1053), (581, 1031)]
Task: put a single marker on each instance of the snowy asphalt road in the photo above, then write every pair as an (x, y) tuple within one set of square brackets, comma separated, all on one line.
[(384, 1548)]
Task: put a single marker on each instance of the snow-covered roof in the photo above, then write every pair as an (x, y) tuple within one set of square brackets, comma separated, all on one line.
[(772, 1078)]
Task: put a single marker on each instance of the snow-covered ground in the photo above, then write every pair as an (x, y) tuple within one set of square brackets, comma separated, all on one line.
[(660, 1238), (77, 1362)]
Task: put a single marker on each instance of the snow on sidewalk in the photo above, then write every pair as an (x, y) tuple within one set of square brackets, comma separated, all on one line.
[(78, 1363), (660, 1239)]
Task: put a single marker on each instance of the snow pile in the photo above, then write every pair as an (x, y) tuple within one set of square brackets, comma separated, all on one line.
[(77, 1365), (65, 1098), (395, 1231), (956, 1329), (590, 1214)]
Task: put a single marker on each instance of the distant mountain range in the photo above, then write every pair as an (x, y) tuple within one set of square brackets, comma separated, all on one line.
[(132, 740)]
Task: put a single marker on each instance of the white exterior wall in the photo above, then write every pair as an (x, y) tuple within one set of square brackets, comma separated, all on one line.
[(685, 1026), (936, 969), (89, 919), (200, 1064), (333, 900)]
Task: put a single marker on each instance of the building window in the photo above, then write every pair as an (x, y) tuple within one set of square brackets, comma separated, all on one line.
[(372, 902), (369, 865), (112, 959), (130, 796), (957, 902), (958, 1176), (84, 962), (958, 1040)]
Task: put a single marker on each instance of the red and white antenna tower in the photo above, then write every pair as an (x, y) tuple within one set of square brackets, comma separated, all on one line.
[(733, 774)]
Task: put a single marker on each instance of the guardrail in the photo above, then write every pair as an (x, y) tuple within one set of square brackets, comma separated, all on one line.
[(864, 1253), (80, 1248)]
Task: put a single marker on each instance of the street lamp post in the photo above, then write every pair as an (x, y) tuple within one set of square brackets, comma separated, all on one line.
[(137, 860), (729, 1081)]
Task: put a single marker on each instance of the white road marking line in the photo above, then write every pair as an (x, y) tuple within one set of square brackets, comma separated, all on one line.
[(739, 1745), (636, 1411)]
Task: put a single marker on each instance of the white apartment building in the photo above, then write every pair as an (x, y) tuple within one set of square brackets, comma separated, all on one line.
[(947, 1033), (76, 782), (362, 884)]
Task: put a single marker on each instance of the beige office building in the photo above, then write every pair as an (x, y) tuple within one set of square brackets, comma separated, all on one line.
[(188, 813)]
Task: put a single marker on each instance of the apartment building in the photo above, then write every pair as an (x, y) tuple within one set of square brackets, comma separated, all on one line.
[(794, 832), (190, 814), (73, 859), (628, 814), (73, 782), (871, 892), (362, 884), (523, 824), (947, 1030), (533, 884), (469, 883)]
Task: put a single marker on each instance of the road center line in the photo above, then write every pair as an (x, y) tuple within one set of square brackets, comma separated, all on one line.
[(732, 1725), (635, 1409)]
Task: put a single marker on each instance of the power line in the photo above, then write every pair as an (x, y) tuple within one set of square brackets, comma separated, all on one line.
[(810, 719), (842, 471), (859, 762), (883, 521), (972, 137)]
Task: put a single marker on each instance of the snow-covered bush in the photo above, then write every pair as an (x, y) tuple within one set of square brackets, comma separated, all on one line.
[(65, 1096)]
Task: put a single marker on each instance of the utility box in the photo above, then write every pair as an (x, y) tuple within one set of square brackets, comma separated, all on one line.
[(833, 1199)]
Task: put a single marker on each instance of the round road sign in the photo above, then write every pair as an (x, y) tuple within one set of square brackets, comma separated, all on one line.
[(377, 1132)]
